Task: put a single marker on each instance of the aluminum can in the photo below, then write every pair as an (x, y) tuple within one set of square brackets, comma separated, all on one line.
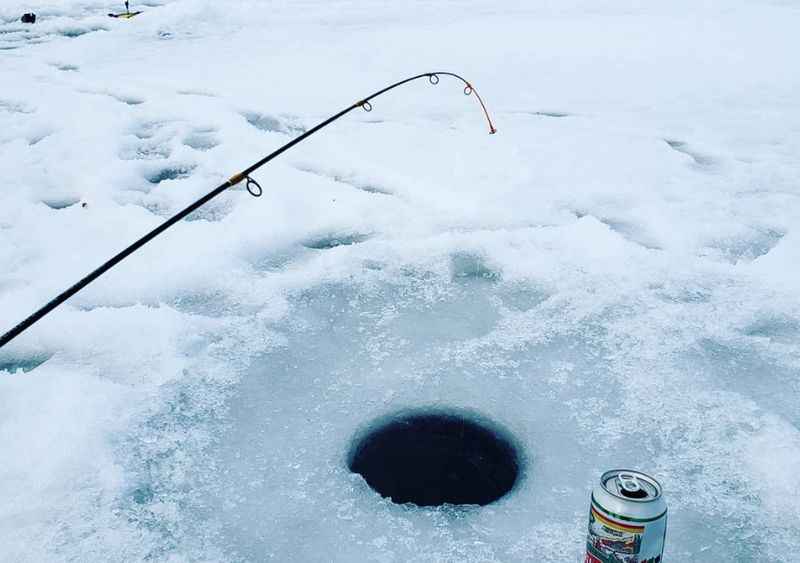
[(627, 519)]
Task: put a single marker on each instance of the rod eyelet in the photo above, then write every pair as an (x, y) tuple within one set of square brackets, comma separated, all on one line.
[(366, 106), (253, 187), (433, 79)]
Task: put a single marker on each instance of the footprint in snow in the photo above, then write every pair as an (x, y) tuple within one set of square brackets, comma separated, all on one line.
[(201, 139), (272, 124), (63, 202), (77, 31), (744, 249), (328, 242), (128, 100), (66, 67), (697, 157), (628, 230), (200, 93), (349, 181), (163, 174)]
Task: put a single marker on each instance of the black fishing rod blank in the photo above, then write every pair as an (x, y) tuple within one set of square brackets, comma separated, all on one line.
[(252, 186)]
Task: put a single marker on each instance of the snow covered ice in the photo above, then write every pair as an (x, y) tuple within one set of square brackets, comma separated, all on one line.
[(614, 277)]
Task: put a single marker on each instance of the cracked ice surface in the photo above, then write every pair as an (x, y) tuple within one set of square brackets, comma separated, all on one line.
[(613, 277)]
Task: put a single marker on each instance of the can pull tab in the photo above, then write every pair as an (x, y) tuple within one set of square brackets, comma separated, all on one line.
[(630, 487)]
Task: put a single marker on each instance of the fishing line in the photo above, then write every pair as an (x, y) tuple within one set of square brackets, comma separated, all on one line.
[(252, 186)]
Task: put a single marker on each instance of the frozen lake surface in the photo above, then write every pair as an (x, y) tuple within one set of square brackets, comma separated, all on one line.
[(613, 278)]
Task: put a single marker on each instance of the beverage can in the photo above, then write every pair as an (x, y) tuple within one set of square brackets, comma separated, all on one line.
[(627, 519)]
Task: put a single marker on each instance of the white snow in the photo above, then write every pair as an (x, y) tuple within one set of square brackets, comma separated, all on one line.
[(614, 276)]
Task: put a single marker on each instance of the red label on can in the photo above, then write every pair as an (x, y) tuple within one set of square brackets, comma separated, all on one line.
[(591, 559)]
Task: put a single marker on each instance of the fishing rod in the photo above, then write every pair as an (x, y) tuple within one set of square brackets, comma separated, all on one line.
[(252, 186)]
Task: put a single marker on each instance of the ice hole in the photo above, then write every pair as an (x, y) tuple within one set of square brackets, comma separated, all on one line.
[(436, 458)]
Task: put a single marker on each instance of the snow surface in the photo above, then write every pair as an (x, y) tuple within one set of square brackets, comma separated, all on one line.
[(614, 276)]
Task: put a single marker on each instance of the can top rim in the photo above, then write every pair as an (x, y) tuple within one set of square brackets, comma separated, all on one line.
[(609, 475)]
